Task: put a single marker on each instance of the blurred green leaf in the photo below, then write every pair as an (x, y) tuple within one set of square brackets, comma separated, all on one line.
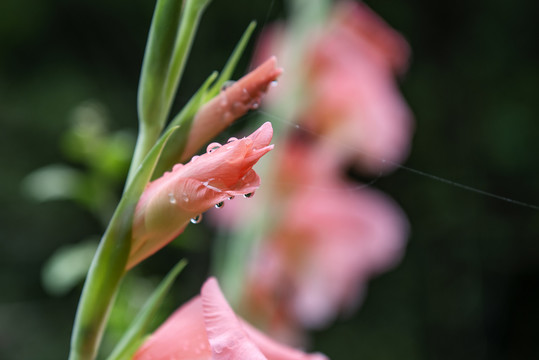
[(61, 182), (53, 182), (68, 266), (89, 142)]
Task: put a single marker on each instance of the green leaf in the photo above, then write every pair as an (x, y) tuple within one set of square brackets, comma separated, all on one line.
[(140, 325), (108, 265), (230, 66)]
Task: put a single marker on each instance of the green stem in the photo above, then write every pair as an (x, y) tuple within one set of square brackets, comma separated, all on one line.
[(108, 265), (100, 288), (164, 61)]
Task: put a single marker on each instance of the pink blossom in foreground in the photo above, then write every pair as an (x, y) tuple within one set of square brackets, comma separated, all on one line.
[(168, 203), (230, 104), (206, 328), (316, 263)]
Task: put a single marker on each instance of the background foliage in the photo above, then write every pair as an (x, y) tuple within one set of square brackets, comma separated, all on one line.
[(467, 288)]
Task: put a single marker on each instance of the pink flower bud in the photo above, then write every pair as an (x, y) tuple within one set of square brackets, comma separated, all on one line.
[(233, 102), (168, 203)]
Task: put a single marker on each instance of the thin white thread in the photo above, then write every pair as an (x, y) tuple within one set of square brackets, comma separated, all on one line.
[(334, 189), (404, 167)]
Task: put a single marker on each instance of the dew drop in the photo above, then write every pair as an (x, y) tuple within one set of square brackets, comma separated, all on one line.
[(232, 139), (195, 157), (220, 204), (248, 195), (231, 197), (255, 105), (227, 116), (224, 101), (171, 198), (274, 83), (196, 219), (185, 198), (213, 146), (218, 348), (227, 84), (177, 167)]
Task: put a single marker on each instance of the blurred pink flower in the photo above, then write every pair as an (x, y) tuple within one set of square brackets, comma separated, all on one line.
[(330, 240), (168, 203), (206, 328), (327, 237), (354, 97), (350, 95)]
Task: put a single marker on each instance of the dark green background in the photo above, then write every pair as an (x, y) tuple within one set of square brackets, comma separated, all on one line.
[(468, 286)]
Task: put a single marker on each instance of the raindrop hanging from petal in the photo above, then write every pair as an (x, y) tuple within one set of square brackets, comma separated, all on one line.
[(197, 219)]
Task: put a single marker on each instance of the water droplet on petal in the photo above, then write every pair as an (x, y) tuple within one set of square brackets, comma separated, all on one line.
[(213, 146), (231, 197), (248, 195), (185, 198), (220, 204), (224, 101), (171, 198), (232, 139), (196, 219), (177, 167), (227, 116), (255, 105), (227, 84), (195, 157), (218, 348), (274, 83)]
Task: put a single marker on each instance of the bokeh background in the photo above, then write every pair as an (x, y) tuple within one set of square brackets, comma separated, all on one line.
[(468, 285)]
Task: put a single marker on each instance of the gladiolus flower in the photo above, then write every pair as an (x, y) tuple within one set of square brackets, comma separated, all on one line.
[(317, 262), (352, 79), (206, 328), (233, 102), (170, 202), (350, 94)]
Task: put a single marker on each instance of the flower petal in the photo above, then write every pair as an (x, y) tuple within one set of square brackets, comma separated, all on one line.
[(227, 338), (182, 336)]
